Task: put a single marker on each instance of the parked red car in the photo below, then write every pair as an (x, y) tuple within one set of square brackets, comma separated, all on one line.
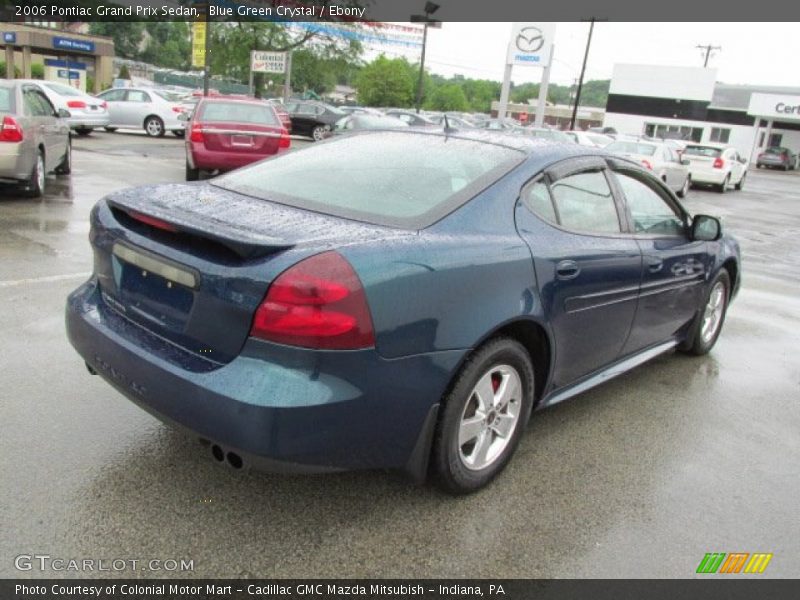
[(226, 133)]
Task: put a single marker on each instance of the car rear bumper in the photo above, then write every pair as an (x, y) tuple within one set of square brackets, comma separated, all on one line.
[(704, 176), (15, 164), (280, 408), (227, 160), (83, 121)]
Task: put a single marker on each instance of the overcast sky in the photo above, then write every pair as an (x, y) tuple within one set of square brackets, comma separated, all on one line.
[(755, 53)]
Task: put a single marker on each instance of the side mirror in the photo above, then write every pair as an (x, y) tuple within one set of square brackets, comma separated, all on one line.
[(685, 162), (63, 113), (706, 228)]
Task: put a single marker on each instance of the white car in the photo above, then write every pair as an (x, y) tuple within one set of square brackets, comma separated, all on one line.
[(155, 111), (716, 164), (86, 112), (659, 158), (590, 138)]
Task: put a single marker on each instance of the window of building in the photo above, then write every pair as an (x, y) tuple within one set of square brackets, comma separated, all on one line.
[(718, 134), (673, 132)]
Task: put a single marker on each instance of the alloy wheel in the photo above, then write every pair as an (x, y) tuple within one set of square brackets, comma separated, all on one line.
[(712, 315)]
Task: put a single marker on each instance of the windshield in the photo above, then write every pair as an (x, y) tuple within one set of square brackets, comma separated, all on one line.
[(707, 151), (632, 148), (392, 179), (63, 90)]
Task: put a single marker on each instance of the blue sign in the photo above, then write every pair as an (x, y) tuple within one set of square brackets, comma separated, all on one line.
[(51, 62), (61, 43), (10, 38), (64, 74)]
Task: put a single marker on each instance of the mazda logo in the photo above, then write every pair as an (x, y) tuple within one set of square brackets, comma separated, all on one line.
[(530, 39)]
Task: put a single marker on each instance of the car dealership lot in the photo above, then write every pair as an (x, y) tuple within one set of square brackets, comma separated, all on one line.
[(637, 478)]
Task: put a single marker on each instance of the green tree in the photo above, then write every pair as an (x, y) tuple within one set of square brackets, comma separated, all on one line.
[(386, 82), (168, 44), (127, 36), (124, 73), (449, 97)]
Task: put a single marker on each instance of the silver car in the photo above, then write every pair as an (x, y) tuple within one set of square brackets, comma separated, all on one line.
[(34, 137), (155, 111), (86, 112), (659, 158)]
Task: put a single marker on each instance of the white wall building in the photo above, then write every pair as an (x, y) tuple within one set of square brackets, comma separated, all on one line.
[(688, 103)]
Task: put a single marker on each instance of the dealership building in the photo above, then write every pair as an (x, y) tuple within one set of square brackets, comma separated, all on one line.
[(688, 103)]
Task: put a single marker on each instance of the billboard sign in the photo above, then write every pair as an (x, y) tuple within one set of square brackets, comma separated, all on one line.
[(267, 62), (531, 44)]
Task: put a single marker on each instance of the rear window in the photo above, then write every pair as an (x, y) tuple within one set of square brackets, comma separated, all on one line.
[(238, 112), (6, 99), (707, 151), (774, 150), (63, 90), (392, 179), (632, 148)]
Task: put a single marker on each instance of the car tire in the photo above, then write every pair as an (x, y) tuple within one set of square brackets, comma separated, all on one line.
[(110, 129), (192, 174), (684, 191), (179, 133), (318, 133), (723, 187), (84, 131), (711, 317), (738, 187), (491, 395), (65, 168), (154, 126), (34, 188)]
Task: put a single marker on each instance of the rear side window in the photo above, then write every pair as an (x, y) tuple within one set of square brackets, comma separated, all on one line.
[(394, 179), (584, 202), (238, 112), (7, 100), (707, 151)]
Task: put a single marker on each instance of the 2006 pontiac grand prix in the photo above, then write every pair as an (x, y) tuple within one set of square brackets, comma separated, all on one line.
[(396, 299)]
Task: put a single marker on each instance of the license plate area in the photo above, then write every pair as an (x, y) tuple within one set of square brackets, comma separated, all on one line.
[(242, 140)]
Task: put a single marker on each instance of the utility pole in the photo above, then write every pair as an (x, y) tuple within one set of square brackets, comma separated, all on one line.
[(429, 9), (583, 71), (708, 49)]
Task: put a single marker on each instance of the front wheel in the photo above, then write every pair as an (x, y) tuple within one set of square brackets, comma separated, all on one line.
[(738, 187), (708, 325), (110, 129), (483, 416), (179, 133), (686, 185), (318, 133), (84, 131), (154, 126)]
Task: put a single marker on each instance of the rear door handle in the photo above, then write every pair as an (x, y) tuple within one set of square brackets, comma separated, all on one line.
[(654, 264), (567, 269)]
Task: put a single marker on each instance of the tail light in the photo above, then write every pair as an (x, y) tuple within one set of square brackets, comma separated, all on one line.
[(285, 140), (719, 163), (178, 109), (10, 131), (196, 133), (76, 104), (104, 104), (646, 164), (152, 221), (318, 303)]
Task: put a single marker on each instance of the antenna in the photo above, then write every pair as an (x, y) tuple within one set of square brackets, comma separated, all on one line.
[(447, 128)]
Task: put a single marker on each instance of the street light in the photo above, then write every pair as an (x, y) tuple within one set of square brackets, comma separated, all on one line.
[(429, 9)]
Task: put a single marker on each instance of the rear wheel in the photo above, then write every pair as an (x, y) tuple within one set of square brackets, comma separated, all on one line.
[(110, 129), (34, 188), (723, 187), (154, 126), (483, 416), (192, 174), (179, 133), (84, 131)]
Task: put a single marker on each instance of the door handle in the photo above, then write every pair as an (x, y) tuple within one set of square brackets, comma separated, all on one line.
[(567, 269), (654, 264)]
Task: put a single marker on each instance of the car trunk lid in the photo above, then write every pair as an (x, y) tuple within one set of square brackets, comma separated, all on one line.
[(245, 138), (191, 263)]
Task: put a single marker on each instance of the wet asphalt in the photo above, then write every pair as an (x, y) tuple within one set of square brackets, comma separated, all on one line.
[(638, 478)]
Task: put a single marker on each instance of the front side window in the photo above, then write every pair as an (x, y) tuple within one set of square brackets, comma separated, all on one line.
[(650, 212), (584, 203), (113, 95)]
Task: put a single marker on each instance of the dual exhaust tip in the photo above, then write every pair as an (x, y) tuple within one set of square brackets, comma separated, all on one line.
[(231, 459)]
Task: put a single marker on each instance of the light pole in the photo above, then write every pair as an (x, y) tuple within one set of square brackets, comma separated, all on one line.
[(429, 9), (580, 81)]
